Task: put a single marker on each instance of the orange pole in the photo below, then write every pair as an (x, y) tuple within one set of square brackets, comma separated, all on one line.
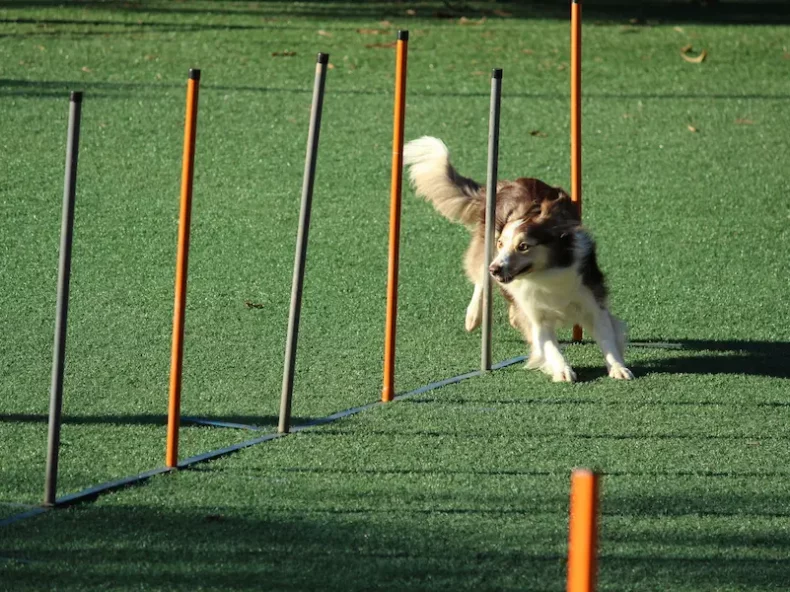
[(176, 362), (388, 392), (576, 116), (583, 533)]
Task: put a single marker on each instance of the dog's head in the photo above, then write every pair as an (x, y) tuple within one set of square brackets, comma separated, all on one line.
[(534, 230)]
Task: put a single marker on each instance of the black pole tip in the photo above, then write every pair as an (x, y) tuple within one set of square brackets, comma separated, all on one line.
[(403, 35), (577, 1), (496, 73), (76, 96), (194, 74), (322, 58)]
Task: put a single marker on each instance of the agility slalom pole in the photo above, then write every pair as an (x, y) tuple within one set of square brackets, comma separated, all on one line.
[(576, 117), (493, 161), (388, 391), (182, 257), (301, 243), (62, 310), (583, 532)]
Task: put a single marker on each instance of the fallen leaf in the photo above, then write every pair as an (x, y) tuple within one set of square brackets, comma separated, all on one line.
[(633, 21), (741, 121), (86, 69), (330, 66), (527, 51), (538, 134), (692, 59), (679, 29), (786, 55), (411, 12), (627, 115), (561, 67), (283, 54), (368, 31), (380, 45), (692, 129), (478, 73), (465, 21), (385, 24), (41, 48), (504, 13), (149, 57), (250, 304), (324, 33)]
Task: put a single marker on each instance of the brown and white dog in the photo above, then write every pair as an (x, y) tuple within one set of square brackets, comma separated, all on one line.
[(545, 261)]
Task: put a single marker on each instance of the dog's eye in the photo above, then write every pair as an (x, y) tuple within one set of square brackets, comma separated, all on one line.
[(499, 244), (523, 247)]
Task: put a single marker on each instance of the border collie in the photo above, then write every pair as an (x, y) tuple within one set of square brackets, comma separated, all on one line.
[(545, 261)]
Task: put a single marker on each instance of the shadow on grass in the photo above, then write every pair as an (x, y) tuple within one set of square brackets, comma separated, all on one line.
[(49, 89), (634, 11), (226, 545), (748, 358), (154, 419)]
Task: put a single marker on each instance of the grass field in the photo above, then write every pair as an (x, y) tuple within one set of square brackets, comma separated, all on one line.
[(685, 184)]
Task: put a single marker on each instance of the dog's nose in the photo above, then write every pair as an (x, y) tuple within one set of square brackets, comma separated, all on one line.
[(495, 268)]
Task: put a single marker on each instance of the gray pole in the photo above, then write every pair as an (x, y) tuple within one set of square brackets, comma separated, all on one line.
[(301, 244), (493, 159), (61, 313)]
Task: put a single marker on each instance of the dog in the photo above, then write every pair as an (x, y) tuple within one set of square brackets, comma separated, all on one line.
[(545, 261)]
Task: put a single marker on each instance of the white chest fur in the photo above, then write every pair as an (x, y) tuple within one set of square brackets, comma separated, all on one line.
[(555, 297)]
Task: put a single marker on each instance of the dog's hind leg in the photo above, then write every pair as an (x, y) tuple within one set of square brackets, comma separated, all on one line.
[(474, 312)]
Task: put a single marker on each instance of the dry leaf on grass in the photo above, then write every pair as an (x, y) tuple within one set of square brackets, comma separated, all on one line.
[(330, 66), (251, 304), (538, 134), (742, 121), (465, 21), (478, 73), (411, 12), (283, 54), (679, 29), (684, 51), (380, 45), (503, 13), (86, 69), (369, 31), (385, 24), (692, 129), (527, 51), (324, 33)]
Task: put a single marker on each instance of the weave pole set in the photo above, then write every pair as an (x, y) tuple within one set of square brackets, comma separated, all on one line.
[(388, 391)]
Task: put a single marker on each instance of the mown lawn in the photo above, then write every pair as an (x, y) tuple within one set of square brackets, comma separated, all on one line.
[(685, 184)]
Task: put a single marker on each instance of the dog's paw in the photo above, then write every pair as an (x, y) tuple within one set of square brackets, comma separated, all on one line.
[(620, 373), (473, 318), (564, 374)]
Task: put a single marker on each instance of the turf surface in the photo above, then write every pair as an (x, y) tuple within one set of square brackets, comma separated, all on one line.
[(465, 487)]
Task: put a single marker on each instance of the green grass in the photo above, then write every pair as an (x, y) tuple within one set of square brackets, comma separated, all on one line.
[(464, 487)]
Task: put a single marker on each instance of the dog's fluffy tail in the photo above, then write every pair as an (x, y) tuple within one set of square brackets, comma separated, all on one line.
[(433, 177)]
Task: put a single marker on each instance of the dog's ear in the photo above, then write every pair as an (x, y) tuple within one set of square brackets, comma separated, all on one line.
[(559, 206)]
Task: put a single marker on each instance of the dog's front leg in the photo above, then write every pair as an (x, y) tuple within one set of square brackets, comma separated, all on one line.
[(474, 312), (544, 342), (609, 334)]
